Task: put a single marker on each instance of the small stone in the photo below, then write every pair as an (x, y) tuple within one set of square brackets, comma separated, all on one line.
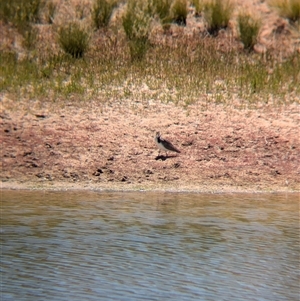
[(124, 179)]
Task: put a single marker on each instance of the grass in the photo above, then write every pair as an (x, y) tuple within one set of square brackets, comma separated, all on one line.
[(73, 39), (23, 14), (51, 11), (170, 11), (211, 77), (126, 67), (162, 8), (30, 35), (179, 11), (289, 9), (199, 6), (136, 23), (248, 28), (217, 14), (20, 12), (102, 12)]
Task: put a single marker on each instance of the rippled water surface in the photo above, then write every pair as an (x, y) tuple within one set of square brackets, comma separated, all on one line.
[(144, 246)]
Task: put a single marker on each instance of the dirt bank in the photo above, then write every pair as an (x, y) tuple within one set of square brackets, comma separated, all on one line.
[(112, 147)]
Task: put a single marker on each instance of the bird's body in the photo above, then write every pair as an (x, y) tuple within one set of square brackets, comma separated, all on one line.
[(164, 144)]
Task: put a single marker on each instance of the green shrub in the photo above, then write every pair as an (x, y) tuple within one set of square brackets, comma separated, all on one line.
[(295, 11), (199, 6), (289, 9), (179, 12), (138, 48), (248, 28), (20, 12), (102, 11), (73, 39), (162, 9), (217, 14), (136, 24)]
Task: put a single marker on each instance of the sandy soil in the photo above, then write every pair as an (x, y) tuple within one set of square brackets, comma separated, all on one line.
[(87, 146)]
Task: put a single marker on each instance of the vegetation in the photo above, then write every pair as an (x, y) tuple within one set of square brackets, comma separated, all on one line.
[(183, 71), (102, 11), (19, 12), (162, 8), (180, 11), (73, 39), (198, 5), (217, 14), (22, 15), (248, 28), (136, 24), (222, 77), (51, 10), (289, 9)]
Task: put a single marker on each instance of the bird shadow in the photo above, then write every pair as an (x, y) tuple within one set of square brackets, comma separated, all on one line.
[(164, 158)]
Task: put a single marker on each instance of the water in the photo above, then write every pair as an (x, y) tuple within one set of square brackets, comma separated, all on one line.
[(141, 246)]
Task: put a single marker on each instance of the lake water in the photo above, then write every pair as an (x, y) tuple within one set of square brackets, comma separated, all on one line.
[(149, 246)]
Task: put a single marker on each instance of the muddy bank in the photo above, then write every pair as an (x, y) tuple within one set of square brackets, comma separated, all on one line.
[(104, 147)]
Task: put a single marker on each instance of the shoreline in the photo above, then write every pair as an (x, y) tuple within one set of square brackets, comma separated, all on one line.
[(157, 188)]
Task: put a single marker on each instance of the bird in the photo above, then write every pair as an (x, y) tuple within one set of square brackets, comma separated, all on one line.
[(164, 144)]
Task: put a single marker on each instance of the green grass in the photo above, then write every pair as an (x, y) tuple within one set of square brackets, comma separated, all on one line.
[(162, 8), (50, 12), (136, 20), (102, 12), (198, 5), (217, 14), (124, 66), (73, 39), (248, 28), (179, 11), (20, 12), (210, 77), (289, 9), (136, 23)]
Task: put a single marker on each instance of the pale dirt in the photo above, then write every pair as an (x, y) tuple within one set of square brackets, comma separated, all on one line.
[(92, 147)]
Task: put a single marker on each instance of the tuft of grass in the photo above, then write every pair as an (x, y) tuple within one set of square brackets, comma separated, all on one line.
[(22, 15), (248, 28), (162, 8), (73, 39), (138, 48), (289, 9), (30, 35), (51, 10), (179, 11), (217, 14), (136, 23), (19, 12), (102, 12), (208, 76), (199, 6)]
